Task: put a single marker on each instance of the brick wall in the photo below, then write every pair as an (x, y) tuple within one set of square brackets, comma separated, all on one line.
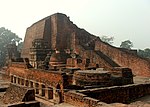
[(34, 32), (52, 78), (94, 58), (121, 94), (79, 99), (138, 65), (95, 97), (61, 33), (55, 29)]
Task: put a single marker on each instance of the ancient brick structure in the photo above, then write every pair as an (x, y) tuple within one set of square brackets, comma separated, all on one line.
[(15, 94), (90, 78), (38, 52), (48, 84), (139, 66), (57, 57), (51, 85), (19, 96), (61, 34), (95, 97)]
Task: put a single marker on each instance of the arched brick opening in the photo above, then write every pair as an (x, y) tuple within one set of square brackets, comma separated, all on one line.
[(27, 83), (43, 90), (37, 88), (19, 80), (31, 84), (97, 66), (59, 93), (11, 78), (22, 81)]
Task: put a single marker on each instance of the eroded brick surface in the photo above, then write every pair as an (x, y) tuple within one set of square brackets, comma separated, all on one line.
[(60, 34), (49, 78), (96, 97), (16, 94)]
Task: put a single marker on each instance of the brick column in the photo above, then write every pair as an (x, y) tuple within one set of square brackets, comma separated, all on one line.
[(14, 79), (40, 89), (36, 87), (31, 84), (54, 93), (46, 93), (24, 82)]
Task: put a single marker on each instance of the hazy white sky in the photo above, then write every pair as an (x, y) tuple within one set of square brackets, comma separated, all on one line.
[(123, 19)]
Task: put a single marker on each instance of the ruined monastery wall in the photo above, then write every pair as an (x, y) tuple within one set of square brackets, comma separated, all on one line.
[(139, 66), (48, 78), (61, 34), (33, 32), (79, 99), (116, 94), (94, 58)]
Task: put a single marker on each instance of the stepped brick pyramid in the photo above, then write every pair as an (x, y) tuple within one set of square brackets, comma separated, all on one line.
[(61, 34)]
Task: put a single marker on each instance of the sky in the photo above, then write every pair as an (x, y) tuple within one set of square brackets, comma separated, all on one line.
[(122, 19)]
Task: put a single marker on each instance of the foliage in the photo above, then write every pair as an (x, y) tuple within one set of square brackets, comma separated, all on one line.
[(107, 39), (127, 44), (144, 53), (19, 47), (6, 37)]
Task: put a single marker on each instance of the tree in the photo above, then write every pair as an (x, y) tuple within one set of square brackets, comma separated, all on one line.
[(127, 44), (144, 53), (6, 37), (107, 39), (19, 47)]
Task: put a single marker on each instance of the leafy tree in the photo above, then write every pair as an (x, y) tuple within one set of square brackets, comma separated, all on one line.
[(144, 53), (19, 47), (6, 37), (107, 39), (127, 44)]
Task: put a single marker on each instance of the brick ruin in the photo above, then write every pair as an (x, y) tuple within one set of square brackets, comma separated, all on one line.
[(101, 97), (58, 57), (60, 34), (19, 96)]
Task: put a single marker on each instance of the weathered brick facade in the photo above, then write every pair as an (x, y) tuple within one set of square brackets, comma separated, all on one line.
[(139, 66), (67, 49), (19, 96), (61, 34), (15, 94), (47, 84), (49, 78), (117, 94)]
